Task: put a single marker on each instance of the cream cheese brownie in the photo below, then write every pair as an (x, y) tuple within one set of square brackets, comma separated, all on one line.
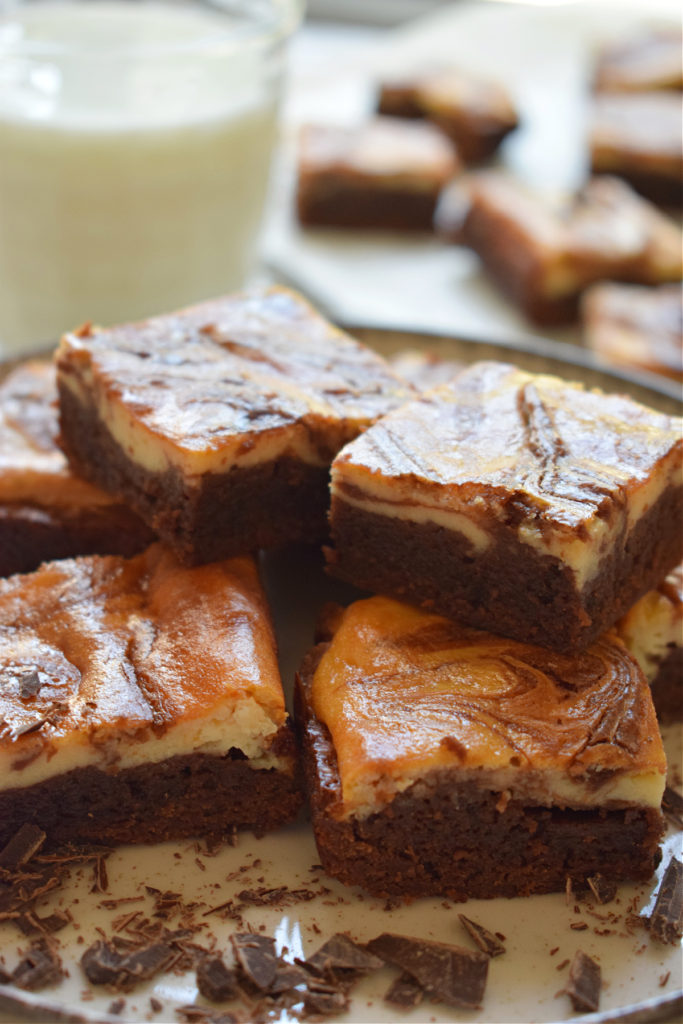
[(476, 113), (444, 761), (515, 502), (384, 174), (45, 511), (543, 251), (639, 137), (653, 632), (141, 701), (636, 327), (652, 59), (218, 423)]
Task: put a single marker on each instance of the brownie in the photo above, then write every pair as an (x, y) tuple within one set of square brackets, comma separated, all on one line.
[(46, 512), (217, 424), (636, 327), (445, 761), (515, 502), (384, 174), (639, 137), (652, 59), (141, 701), (544, 253), (475, 113), (653, 632)]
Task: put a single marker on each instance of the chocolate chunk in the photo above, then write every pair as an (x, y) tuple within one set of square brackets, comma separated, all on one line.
[(116, 1006), (603, 889), (29, 685), (326, 999), (39, 968), (404, 992), (105, 965), (584, 982), (256, 956), (666, 920), (215, 981), (289, 976), (342, 953), (21, 847), (488, 942), (672, 805), (454, 975)]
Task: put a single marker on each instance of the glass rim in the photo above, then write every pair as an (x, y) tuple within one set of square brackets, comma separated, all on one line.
[(279, 20)]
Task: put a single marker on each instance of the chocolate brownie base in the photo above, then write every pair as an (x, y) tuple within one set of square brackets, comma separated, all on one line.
[(187, 795), (226, 514), (444, 837), (510, 588), (30, 535), (667, 688), (344, 206)]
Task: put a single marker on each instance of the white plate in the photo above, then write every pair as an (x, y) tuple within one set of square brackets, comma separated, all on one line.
[(543, 54), (523, 983)]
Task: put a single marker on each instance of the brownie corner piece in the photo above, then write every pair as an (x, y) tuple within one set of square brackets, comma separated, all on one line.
[(518, 503), (429, 776), (218, 423)]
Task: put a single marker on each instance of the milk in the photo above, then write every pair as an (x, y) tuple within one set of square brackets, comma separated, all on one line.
[(135, 142)]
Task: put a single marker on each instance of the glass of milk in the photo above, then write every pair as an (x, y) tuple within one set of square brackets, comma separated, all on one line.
[(135, 144)]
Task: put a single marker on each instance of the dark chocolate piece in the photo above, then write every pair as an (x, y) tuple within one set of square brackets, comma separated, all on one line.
[(103, 964), (602, 888), (289, 976), (488, 942), (215, 981), (666, 920), (325, 998), (342, 953), (583, 985), (39, 968), (256, 956), (29, 685), (672, 805), (405, 992), (21, 847), (452, 974)]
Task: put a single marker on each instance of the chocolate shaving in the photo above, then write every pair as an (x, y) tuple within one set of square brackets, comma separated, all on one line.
[(29, 685), (672, 805), (341, 953), (256, 956), (666, 920), (39, 968), (104, 964), (404, 992), (584, 983), (101, 880), (603, 889), (215, 981), (452, 974), (21, 847), (488, 942)]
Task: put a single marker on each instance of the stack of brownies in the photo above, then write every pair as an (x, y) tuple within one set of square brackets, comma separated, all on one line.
[(477, 728)]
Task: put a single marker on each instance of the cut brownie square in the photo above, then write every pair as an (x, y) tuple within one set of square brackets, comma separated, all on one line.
[(518, 503), (476, 113), (45, 511), (639, 137), (141, 701), (652, 59), (218, 423), (444, 761), (385, 174), (653, 632), (543, 253), (636, 327)]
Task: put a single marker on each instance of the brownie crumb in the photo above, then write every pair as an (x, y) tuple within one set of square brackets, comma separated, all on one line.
[(666, 921), (584, 983), (487, 941), (116, 1006), (603, 889), (454, 975)]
